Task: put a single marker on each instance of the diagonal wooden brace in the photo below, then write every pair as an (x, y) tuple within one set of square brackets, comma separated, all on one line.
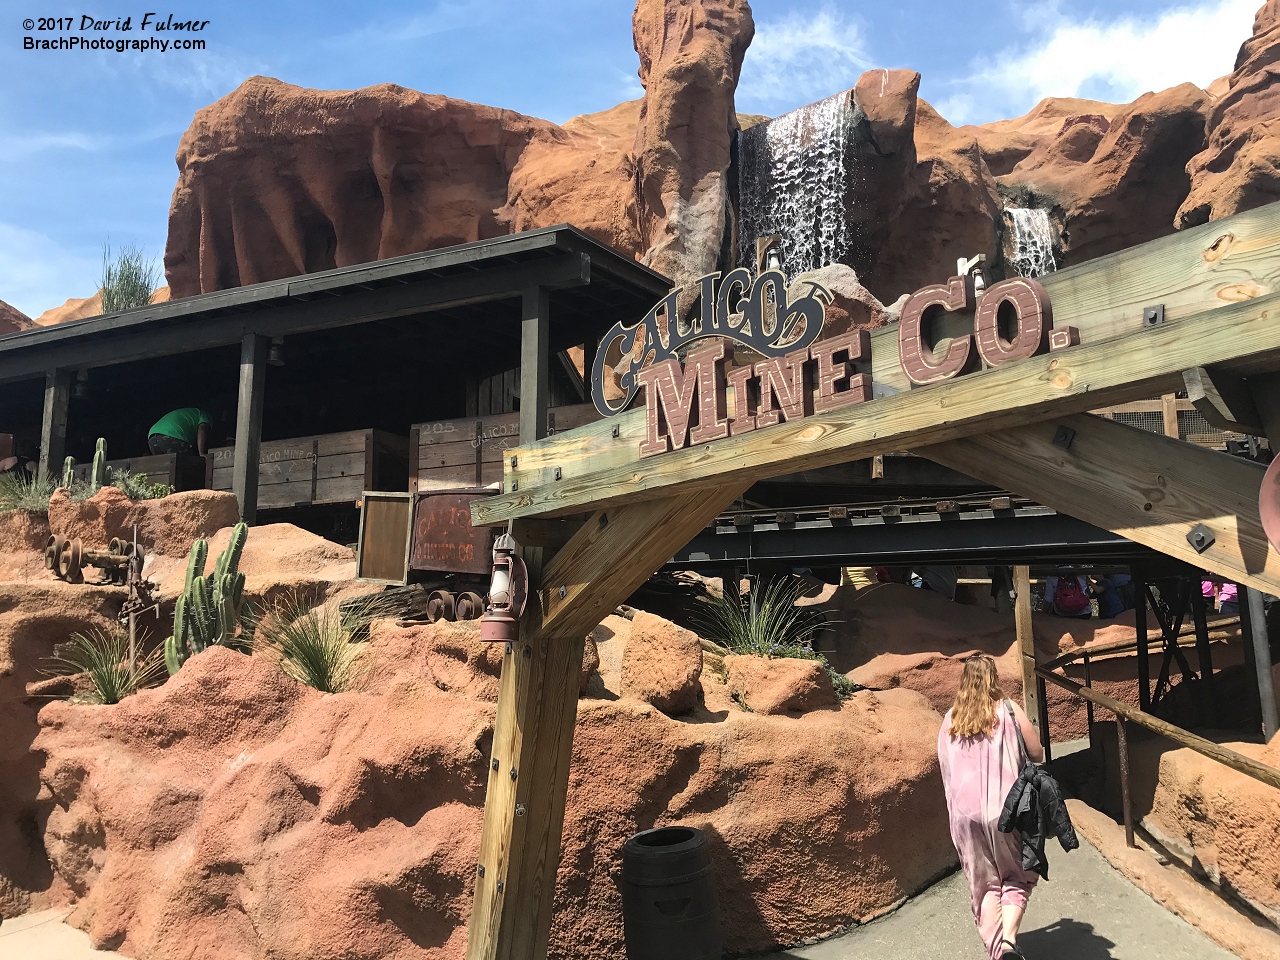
[(602, 564), (1152, 489)]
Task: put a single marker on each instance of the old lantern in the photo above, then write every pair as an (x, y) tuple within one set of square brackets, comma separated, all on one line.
[(508, 590)]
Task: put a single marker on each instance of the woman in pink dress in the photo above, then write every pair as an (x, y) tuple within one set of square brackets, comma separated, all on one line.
[(980, 757)]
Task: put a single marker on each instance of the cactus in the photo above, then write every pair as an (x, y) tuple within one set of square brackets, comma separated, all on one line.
[(208, 610), (98, 478), (68, 473)]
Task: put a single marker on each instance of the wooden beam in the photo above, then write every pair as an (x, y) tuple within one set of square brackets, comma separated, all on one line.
[(53, 424), (600, 566), (1150, 489), (535, 366), (604, 472), (249, 404), (1026, 645), (1169, 413), (1223, 400)]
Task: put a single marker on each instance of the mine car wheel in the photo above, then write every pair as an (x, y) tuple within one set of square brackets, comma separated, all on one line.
[(469, 606), (70, 561), (440, 606), (51, 553), (118, 547)]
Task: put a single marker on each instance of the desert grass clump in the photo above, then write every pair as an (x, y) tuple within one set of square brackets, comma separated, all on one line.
[(102, 656), (319, 645), (771, 625), (127, 279), (18, 491)]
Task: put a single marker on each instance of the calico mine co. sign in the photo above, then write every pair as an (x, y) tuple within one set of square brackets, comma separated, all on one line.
[(800, 375)]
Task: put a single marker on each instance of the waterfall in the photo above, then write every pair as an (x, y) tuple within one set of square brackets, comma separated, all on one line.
[(1030, 253), (793, 181)]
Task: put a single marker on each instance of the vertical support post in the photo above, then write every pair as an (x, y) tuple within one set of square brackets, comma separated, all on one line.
[(589, 351), (1203, 653), (1088, 704), (1169, 408), (1262, 662), (253, 381), (1122, 739), (1140, 621), (1027, 646), (535, 363), (53, 424)]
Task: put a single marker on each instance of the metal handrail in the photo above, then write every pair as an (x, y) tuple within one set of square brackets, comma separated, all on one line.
[(1125, 646)]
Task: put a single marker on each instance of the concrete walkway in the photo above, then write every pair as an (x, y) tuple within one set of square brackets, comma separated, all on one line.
[(1088, 911), (43, 936)]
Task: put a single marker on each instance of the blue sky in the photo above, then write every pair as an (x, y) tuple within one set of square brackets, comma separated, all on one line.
[(87, 139)]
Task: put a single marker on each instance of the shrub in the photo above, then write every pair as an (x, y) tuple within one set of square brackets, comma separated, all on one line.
[(102, 656), (136, 486), (21, 492), (127, 280), (317, 645), (771, 626)]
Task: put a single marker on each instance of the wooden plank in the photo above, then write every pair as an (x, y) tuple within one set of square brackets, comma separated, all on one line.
[(1069, 381), (502, 424), (601, 566), (341, 465), (1026, 645), (452, 478), (1184, 738), (1151, 489), (1194, 270), (1169, 411), (337, 444), (1223, 400), (339, 489), (275, 496)]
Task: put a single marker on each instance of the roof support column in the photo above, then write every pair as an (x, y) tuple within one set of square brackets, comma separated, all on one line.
[(535, 367), (253, 381), (53, 425)]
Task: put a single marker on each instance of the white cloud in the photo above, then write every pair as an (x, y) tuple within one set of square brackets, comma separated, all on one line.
[(1114, 60), (799, 59), (37, 273)]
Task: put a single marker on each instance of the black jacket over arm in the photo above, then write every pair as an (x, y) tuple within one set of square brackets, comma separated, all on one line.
[(1035, 809)]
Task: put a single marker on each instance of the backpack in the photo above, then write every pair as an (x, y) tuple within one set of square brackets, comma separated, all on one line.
[(1070, 598)]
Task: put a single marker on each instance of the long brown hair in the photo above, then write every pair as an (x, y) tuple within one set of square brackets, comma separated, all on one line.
[(974, 712)]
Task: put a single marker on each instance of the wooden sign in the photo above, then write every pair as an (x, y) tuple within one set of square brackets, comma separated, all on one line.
[(708, 398)]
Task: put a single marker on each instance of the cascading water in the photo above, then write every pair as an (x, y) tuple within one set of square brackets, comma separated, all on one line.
[(1030, 253), (793, 182)]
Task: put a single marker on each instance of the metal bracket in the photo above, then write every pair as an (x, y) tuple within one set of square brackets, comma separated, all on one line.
[(1201, 538), (1153, 315), (1063, 437)]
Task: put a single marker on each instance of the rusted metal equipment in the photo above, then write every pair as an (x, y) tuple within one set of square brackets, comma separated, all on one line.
[(426, 538), (139, 600), (67, 558)]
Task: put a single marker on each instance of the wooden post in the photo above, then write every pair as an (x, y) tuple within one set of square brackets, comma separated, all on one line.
[(599, 567), (1262, 661), (535, 364), (1169, 407), (53, 425), (1026, 644), (253, 379)]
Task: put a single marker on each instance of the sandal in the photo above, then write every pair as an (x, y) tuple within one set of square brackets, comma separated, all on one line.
[(1011, 951)]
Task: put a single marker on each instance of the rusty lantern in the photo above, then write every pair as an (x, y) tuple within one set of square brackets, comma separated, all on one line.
[(1269, 503), (508, 590)]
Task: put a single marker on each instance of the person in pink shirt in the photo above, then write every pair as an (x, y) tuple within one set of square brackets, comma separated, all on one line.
[(981, 759), (1229, 600)]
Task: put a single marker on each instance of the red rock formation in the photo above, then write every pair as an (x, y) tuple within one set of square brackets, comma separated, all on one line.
[(233, 807), (1238, 168), (277, 180), (33, 618), (12, 319), (1006, 143), (166, 526), (78, 308), (662, 665), (1120, 183), (773, 685), (690, 58)]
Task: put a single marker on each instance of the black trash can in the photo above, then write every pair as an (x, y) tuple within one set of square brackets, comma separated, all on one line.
[(669, 907)]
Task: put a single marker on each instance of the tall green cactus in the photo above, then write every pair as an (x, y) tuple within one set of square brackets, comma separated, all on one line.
[(98, 478), (208, 609), (68, 473)]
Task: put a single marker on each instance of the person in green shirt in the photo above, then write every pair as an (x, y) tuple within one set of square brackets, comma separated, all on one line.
[(181, 431)]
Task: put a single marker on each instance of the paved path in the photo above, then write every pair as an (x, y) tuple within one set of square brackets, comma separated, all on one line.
[(1087, 912), (43, 936)]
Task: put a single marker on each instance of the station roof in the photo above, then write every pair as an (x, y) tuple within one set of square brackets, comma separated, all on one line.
[(593, 286)]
